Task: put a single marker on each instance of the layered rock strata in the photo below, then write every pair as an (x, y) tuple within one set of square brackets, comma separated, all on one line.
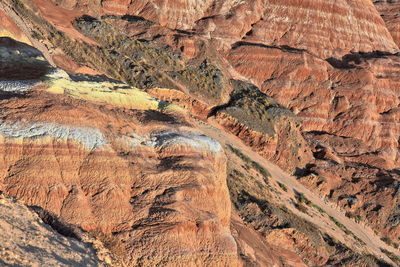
[(327, 70), (105, 156), (389, 11)]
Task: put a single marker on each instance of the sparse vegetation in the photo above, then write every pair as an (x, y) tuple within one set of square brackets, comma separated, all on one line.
[(301, 207), (390, 242), (283, 186), (357, 238), (340, 225), (351, 215), (391, 255), (321, 210), (261, 169), (238, 174), (358, 218), (36, 35), (255, 208), (255, 109), (239, 153), (301, 199), (205, 79), (345, 230), (252, 163)]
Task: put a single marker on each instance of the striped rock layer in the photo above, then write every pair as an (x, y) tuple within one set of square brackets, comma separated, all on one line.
[(333, 65), (326, 28), (389, 11), (74, 147)]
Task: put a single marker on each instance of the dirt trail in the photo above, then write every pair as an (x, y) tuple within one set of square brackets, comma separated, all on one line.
[(365, 233)]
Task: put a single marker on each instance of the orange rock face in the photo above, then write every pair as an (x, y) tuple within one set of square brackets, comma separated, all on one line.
[(331, 28), (325, 28), (353, 102), (389, 11), (104, 155), (356, 92), (166, 193), (141, 173)]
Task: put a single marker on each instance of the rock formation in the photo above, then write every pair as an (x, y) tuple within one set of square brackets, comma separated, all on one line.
[(111, 111), (389, 11), (130, 164), (27, 241)]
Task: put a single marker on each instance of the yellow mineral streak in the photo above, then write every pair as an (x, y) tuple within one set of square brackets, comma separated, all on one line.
[(117, 94)]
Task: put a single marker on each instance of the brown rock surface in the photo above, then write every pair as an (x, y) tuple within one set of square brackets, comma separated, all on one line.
[(325, 101), (352, 26), (389, 10), (306, 78), (27, 241), (122, 167), (327, 28), (358, 92), (368, 194), (147, 195)]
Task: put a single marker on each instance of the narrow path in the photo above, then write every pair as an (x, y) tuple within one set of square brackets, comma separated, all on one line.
[(365, 233)]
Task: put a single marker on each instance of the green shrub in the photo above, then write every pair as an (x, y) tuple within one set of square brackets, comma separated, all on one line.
[(391, 255), (321, 210), (340, 225), (301, 207), (254, 164), (302, 199), (284, 188)]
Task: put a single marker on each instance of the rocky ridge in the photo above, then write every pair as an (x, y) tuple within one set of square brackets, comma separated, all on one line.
[(128, 155), (26, 240), (324, 106)]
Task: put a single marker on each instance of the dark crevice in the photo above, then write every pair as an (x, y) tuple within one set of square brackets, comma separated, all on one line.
[(352, 60), (58, 224), (284, 48), (132, 18), (215, 109), (324, 132), (10, 95)]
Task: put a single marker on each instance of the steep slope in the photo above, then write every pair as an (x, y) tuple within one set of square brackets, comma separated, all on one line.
[(27, 241), (105, 156), (327, 28), (312, 86), (389, 11), (291, 218)]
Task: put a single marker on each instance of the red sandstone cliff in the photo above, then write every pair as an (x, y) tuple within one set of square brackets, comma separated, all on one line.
[(311, 85)]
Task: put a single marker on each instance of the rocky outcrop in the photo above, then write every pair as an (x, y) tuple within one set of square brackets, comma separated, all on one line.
[(351, 102), (305, 82), (353, 26), (27, 241), (296, 236), (329, 97), (332, 28), (103, 155), (352, 99), (311, 85), (389, 11), (195, 106), (270, 129), (367, 193)]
